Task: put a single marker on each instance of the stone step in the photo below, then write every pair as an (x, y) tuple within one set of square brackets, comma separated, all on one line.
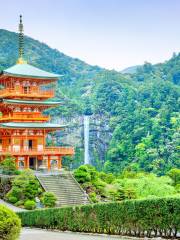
[(66, 189)]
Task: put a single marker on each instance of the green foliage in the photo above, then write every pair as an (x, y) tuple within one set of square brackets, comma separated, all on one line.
[(5, 185), (30, 204), (8, 166), (91, 181), (147, 186), (174, 174), (10, 224), (129, 185), (13, 199), (49, 199), (85, 173), (141, 218), (24, 187), (93, 197), (140, 110)]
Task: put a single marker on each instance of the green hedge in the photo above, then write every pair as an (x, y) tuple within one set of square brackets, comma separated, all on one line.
[(150, 217)]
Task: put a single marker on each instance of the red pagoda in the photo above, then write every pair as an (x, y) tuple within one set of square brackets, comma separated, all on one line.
[(23, 127)]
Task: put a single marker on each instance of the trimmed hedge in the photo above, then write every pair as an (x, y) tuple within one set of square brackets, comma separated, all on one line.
[(10, 224), (150, 217)]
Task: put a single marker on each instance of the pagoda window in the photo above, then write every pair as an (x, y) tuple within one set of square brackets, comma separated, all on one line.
[(26, 84), (21, 164), (54, 163), (17, 109), (17, 83), (26, 89)]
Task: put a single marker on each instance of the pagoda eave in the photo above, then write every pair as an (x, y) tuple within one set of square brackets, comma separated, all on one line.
[(7, 78), (31, 125)]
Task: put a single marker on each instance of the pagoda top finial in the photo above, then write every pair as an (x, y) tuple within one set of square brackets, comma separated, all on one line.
[(21, 42)]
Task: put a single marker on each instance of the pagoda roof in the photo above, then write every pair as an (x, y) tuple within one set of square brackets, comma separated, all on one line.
[(18, 125), (14, 101), (27, 70)]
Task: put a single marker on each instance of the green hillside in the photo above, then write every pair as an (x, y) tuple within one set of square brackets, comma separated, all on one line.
[(138, 113)]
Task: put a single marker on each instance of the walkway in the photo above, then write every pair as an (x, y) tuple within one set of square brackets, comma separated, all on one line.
[(37, 234), (15, 209)]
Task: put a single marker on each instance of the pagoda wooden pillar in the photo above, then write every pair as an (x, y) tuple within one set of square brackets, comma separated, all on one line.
[(16, 161), (49, 163), (26, 162), (59, 162)]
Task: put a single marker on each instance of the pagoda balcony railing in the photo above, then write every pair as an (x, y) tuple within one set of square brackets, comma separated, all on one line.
[(23, 117), (14, 93), (35, 151)]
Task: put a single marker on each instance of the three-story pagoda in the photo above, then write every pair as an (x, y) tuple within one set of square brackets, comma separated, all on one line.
[(23, 127)]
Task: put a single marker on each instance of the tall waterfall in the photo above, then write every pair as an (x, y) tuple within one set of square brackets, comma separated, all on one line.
[(86, 140)]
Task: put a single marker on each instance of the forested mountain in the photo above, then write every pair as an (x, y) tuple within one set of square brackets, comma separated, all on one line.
[(134, 118)]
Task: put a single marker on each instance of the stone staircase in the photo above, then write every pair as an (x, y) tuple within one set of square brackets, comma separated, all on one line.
[(65, 187)]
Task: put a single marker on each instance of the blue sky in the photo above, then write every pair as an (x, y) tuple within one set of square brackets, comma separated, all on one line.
[(113, 34)]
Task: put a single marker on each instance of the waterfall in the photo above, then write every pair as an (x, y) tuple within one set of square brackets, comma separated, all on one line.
[(86, 140)]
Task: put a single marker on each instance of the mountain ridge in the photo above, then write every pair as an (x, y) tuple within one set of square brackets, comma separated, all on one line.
[(134, 118)]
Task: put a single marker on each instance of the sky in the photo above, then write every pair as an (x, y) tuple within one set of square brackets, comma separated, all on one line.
[(113, 34)]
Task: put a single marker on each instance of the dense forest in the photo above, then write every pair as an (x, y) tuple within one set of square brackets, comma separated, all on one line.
[(140, 109)]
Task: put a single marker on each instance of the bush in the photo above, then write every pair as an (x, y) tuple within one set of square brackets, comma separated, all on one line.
[(174, 174), (13, 199), (19, 203), (85, 173), (93, 197), (49, 199), (24, 187), (30, 204), (8, 166), (141, 218), (5, 185), (10, 224)]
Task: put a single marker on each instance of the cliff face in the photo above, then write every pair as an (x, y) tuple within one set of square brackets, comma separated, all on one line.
[(99, 136)]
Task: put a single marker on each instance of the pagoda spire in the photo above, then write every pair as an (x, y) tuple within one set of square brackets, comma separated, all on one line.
[(21, 42)]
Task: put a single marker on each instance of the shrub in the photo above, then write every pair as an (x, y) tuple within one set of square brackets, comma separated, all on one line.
[(19, 203), (24, 186), (10, 224), (49, 199), (150, 217), (85, 173), (93, 197), (13, 199), (5, 185), (108, 178), (30, 204), (8, 165), (174, 174)]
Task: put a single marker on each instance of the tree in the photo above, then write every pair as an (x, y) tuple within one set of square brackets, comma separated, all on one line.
[(174, 174), (8, 165)]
